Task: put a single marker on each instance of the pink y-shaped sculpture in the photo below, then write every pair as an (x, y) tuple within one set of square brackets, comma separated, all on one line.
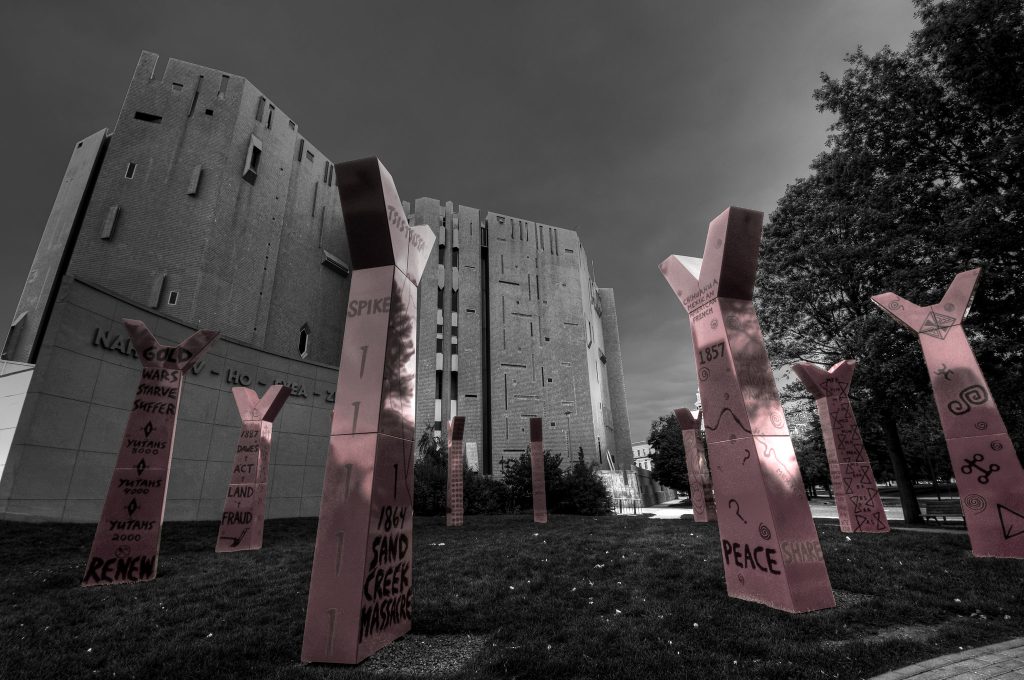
[(769, 542), (988, 474), (241, 523), (540, 496), (127, 542), (857, 500), (701, 492), (360, 591), (456, 464)]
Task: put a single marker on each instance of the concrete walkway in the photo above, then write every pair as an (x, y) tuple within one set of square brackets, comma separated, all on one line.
[(1002, 660)]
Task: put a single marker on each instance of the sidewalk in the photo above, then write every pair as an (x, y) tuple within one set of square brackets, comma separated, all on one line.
[(1002, 660)]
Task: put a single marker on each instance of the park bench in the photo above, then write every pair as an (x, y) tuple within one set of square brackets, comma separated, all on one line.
[(942, 508)]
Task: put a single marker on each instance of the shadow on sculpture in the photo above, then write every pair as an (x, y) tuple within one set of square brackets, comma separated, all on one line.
[(360, 592), (241, 523), (540, 495), (988, 473), (857, 501), (769, 543), (127, 542)]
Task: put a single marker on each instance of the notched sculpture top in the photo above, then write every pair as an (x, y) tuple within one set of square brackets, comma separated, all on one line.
[(937, 319), (729, 264), (379, 235)]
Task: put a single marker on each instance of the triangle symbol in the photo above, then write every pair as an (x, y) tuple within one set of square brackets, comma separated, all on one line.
[(1011, 521), (937, 325)]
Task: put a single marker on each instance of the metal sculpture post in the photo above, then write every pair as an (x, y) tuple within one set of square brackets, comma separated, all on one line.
[(701, 493), (769, 542), (127, 542), (540, 496), (241, 523), (988, 474), (856, 492), (456, 466), (360, 591)]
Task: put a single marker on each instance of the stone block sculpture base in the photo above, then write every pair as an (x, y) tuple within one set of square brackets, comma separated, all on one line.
[(540, 495), (360, 590), (988, 473), (127, 542), (856, 492), (769, 542), (241, 523), (456, 465), (701, 491)]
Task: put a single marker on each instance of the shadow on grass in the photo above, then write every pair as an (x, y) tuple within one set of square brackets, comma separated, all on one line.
[(606, 597)]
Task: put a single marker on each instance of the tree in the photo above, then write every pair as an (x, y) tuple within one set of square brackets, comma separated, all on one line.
[(517, 473), (922, 177), (668, 457)]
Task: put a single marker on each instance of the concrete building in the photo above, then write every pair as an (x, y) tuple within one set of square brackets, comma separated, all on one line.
[(642, 455), (205, 207), (513, 326)]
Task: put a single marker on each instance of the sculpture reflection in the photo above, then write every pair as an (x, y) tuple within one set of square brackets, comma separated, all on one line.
[(701, 491)]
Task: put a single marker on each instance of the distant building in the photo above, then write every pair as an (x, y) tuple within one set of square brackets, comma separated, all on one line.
[(205, 207), (512, 327), (642, 455)]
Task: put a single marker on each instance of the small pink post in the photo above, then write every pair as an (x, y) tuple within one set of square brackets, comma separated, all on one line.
[(127, 542), (701, 493), (241, 523), (456, 465), (540, 497), (857, 500), (769, 542), (360, 590), (988, 473)]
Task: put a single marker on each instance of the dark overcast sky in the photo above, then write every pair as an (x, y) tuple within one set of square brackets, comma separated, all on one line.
[(633, 123)]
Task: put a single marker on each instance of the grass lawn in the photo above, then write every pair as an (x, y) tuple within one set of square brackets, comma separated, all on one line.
[(610, 597)]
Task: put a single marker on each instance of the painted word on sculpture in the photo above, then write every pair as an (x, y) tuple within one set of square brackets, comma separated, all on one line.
[(360, 591), (540, 496), (988, 474), (701, 495), (769, 542), (456, 465), (127, 541), (241, 523), (857, 500)]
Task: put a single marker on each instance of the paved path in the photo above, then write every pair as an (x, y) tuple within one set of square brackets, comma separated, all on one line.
[(1003, 660)]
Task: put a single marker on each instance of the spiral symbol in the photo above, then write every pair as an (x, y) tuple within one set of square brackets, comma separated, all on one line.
[(973, 395), (981, 425), (777, 420), (742, 580), (996, 446), (705, 373), (975, 503), (895, 305), (714, 324), (949, 306), (765, 532)]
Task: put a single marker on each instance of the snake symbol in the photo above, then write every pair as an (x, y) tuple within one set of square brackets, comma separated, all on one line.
[(734, 501), (746, 458)]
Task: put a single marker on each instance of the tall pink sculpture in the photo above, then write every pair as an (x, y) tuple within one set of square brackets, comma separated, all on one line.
[(769, 542), (988, 474), (127, 542), (701, 492), (857, 500), (456, 465), (241, 523), (360, 591), (540, 495)]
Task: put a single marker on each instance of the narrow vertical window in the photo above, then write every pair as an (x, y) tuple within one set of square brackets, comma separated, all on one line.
[(223, 86), (252, 160), (304, 341), (172, 298), (302, 147), (195, 97), (270, 116), (259, 108), (130, 171)]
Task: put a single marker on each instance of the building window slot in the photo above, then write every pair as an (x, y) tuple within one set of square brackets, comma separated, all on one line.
[(195, 97), (335, 263), (304, 341), (309, 155), (270, 116), (259, 108), (223, 86), (193, 183), (130, 170), (148, 117), (177, 86), (156, 290), (172, 298), (252, 160), (302, 147), (291, 124), (209, 112), (110, 222)]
